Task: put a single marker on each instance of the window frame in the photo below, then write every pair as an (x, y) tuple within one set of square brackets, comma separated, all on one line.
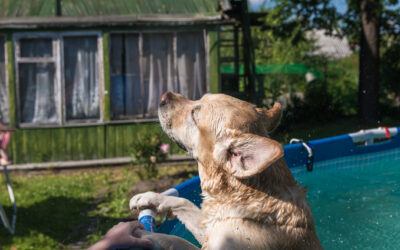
[(59, 79), (142, 117)]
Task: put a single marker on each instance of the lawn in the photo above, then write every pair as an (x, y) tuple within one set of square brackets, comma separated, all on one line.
[(71, 209)]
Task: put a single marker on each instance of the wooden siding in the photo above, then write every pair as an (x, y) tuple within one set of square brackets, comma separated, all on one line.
[(58, 144), (80, 143)]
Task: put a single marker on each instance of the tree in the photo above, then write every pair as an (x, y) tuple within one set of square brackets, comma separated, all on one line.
[(373, 23), (368, 87)]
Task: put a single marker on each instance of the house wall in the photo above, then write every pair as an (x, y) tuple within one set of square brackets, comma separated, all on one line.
[(78, 143), (103, 140)]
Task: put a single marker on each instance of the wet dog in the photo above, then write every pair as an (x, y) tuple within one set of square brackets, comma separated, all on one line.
[(250, 198)]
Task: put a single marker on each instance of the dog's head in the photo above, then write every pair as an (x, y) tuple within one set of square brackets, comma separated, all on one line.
[(223, 132)]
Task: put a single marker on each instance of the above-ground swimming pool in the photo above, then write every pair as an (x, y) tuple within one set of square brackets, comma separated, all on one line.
[(353, 189)]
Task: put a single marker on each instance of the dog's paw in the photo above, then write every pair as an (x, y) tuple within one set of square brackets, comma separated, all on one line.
[(146, 200)]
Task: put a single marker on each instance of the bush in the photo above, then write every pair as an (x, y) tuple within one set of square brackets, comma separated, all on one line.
[(332, 96), (147, 151)]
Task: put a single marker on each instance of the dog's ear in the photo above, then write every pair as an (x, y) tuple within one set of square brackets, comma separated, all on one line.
[(246, 155), (273, 115)]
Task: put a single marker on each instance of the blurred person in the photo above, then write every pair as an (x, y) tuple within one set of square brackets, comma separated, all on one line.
[(5, 136)]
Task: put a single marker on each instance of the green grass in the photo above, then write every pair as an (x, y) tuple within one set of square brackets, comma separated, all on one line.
[(61, 210)]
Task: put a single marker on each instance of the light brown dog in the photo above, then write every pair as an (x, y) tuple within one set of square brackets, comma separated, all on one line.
[(251, 200)]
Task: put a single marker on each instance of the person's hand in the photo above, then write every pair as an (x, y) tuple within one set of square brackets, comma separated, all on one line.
[(123, 235)]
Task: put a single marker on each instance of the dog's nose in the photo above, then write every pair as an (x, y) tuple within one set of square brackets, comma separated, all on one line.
[(165, 98)]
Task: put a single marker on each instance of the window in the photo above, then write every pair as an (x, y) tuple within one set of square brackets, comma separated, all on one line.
[(37, 78), (4, 116), (58, 78), (144, 65), (81, 78)]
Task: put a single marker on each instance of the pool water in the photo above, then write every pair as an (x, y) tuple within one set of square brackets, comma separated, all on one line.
[(355, 201)]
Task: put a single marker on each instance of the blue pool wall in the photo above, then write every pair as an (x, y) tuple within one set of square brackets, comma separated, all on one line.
[(295, 156), (334, 147)]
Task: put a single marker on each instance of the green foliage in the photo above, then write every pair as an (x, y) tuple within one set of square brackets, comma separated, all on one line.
[(390, 75), (349, 22), (342, 85), (332, 95), (147, 151), (389, 29), (306, 15), (276, 46), (283, 40)]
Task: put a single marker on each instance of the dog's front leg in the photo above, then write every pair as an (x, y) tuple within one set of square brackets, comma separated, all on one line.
[(188, 213)]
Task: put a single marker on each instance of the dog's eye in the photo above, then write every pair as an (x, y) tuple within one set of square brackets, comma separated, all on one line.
[(195, 113)]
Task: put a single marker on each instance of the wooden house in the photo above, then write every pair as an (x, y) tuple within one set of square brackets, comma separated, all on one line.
[(81, 79)]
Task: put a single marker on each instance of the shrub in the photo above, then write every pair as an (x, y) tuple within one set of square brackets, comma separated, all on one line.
[(147, 151)]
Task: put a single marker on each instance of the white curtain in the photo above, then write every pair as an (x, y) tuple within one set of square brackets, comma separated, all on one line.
[(3, 86), (191, 64), (81, 78), (37, 93), (158, 69)]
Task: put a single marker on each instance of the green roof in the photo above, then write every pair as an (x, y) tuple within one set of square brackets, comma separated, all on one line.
[(81, 8)]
